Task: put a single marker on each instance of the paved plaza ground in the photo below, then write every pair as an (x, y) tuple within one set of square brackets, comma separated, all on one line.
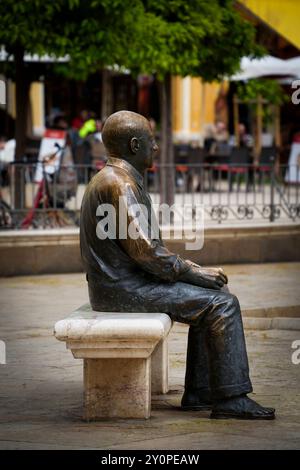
[(41, 384)]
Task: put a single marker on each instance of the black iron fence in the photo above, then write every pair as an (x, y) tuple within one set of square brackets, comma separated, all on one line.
[(33, 195), (228, 191)]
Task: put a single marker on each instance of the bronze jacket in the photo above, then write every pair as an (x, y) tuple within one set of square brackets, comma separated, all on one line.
[(119, 261)]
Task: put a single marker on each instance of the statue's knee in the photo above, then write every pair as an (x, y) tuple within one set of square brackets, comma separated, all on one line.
[(226, 312), (228, 303), (234, 301)]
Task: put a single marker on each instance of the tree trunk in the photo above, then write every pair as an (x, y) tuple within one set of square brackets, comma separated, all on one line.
[(22, 103), (167, 170)]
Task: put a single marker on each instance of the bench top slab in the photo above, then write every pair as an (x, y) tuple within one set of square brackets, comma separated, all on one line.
[(87, 324)]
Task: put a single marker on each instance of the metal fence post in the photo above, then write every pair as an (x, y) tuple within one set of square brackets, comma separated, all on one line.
[(272, 193)]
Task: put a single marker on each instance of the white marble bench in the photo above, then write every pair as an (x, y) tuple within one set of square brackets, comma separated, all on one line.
[(125, 358)]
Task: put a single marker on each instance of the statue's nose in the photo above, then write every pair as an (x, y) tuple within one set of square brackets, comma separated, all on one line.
[(155, 147)]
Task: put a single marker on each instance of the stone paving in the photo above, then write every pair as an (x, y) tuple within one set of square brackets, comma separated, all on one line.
[(41, 384)]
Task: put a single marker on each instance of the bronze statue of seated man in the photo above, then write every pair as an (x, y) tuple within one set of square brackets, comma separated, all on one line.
[(139, 274)]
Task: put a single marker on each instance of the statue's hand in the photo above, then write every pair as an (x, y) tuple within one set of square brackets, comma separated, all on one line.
[(210, 278), (217, 274)]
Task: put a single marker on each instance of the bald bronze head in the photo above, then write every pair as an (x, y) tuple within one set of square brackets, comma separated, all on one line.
[(129, 136)]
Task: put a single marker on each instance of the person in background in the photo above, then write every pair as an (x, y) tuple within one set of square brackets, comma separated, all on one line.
[(209, 138), (2, 164), (152, 124), (246, 139), (78, 121), (98, 150), (2, 142), (7, 156), (60, 122), (90, 149), (221, 133), (90, 126), (76, 124), (222, 146)]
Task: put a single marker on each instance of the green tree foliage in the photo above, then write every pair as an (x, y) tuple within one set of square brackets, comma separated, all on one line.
[(269, 90), (161, 36), (199, 37), (91, 33)]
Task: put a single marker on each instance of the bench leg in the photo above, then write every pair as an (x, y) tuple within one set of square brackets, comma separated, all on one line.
[(117, 388), (160, 368)]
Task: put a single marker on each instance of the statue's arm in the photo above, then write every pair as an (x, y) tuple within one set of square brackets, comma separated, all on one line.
[(152, 256), (146, 249)]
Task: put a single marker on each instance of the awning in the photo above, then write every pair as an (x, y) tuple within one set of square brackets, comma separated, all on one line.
[(268, 66), (280, 15), (4, 57)]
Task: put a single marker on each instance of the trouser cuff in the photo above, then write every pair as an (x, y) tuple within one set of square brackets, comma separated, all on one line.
[(196, 395), (228, 391)]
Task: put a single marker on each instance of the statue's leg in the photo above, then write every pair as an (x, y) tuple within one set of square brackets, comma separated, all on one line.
[(227, 355), (197, 390), (228, 362)]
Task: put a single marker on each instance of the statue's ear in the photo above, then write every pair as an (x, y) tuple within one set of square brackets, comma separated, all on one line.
[(134, 145)]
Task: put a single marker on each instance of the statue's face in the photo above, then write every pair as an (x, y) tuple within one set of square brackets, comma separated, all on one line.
[(148, 147)]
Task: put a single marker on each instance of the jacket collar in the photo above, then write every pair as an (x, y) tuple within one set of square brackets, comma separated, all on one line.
[(121, 163)]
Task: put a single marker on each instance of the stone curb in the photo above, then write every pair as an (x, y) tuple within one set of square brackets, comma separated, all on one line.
[(282, 311), (256, 323), (276, 323)]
